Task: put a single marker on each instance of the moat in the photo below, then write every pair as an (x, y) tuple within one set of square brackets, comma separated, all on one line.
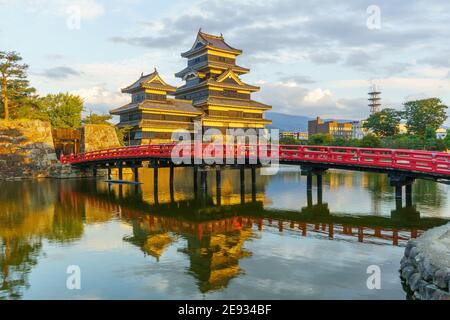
[(278, 242)]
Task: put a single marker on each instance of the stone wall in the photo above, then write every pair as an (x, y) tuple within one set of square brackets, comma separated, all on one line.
[(97, 137), (26, 149), (425, 267)]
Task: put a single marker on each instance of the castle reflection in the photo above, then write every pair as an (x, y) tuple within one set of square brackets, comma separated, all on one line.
[(215, 236)]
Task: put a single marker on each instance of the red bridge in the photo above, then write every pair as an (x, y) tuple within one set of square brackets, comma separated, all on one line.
[(402, 166), (413, 163)]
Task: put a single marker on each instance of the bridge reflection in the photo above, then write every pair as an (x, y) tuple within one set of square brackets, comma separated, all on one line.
[(216, 234)]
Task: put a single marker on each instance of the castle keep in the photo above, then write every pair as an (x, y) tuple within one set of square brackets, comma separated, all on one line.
[(212, 94)]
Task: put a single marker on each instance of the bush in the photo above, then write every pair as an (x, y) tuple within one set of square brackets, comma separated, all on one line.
[(370, 141), (289, 140), (321, 140)]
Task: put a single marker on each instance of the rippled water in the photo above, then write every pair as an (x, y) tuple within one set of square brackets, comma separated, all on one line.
[(275, 243)]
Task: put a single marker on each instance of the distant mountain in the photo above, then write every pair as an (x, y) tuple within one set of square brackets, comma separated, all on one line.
[(287, 122)]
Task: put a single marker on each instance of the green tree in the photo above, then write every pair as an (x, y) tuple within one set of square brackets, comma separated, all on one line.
[(320, 139), (123, 134), (289, 140), (384, 123), (63, 109), (420, 114), (31, 108), (446, 140), (14, 83), (370, 141), (94, 118)]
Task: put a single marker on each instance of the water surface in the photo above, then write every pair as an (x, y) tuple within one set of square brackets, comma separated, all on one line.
[(276, 242)]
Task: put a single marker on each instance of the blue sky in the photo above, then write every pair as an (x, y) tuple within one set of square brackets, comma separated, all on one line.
[(309, 57)]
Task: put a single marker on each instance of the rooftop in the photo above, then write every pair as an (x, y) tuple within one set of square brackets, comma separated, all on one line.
[(149, 81), (205, 40)]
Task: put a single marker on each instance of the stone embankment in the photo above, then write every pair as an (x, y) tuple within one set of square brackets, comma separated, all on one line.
[(425, 267), (27, 150)]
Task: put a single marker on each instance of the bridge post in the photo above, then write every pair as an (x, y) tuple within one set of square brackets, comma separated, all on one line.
[(398, 181), (242, 181), (408, 194), (94, 172), (398, 195), (309, 182), (309, 199), (136, 174), (218, 185), (119, 168), (253, 184), (171, 175), (319, 188), (195, 177), (155, 181), (109, 173), (203, 176)]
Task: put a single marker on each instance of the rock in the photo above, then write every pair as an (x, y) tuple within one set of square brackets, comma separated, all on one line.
[(407, 271), (422, 289), (97, 137), (26, 150), (413, 252), (413, 281), (411, 244), (441, 278), (431, 291)]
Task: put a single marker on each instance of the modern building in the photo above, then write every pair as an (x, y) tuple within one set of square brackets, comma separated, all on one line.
[(358, 130), (339, 130), (212, 82), (441, 133), (151, 116), (294, 134)]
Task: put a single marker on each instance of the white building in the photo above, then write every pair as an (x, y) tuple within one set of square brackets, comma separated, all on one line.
[(358, 130)]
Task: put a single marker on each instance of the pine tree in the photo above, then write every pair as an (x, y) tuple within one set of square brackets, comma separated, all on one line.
[(14, 83)]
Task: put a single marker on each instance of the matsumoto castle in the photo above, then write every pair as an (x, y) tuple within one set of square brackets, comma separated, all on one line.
[(213, 94)]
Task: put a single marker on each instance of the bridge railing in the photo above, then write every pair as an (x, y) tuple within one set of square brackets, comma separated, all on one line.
[(414, 160)]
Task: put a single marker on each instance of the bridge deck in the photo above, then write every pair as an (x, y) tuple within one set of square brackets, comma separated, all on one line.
[(413, 162)]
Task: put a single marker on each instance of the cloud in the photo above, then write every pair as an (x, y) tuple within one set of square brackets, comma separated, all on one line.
[(291, 98), (99, 98), (297, 79), (59, 73), (324, 57), (88, 9)]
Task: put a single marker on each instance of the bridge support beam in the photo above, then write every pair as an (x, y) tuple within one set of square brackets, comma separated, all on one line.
[(195, 181), (119, 169), (309, 172), (253, 184), (398, 181), (408, 195), (242, 182), (136, 174), (203, 177), (155, 181), (109, 173), (218, 186), (171, 188), (319, 188)]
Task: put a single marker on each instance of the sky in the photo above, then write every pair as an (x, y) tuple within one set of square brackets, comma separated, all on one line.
[(310, 57)]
